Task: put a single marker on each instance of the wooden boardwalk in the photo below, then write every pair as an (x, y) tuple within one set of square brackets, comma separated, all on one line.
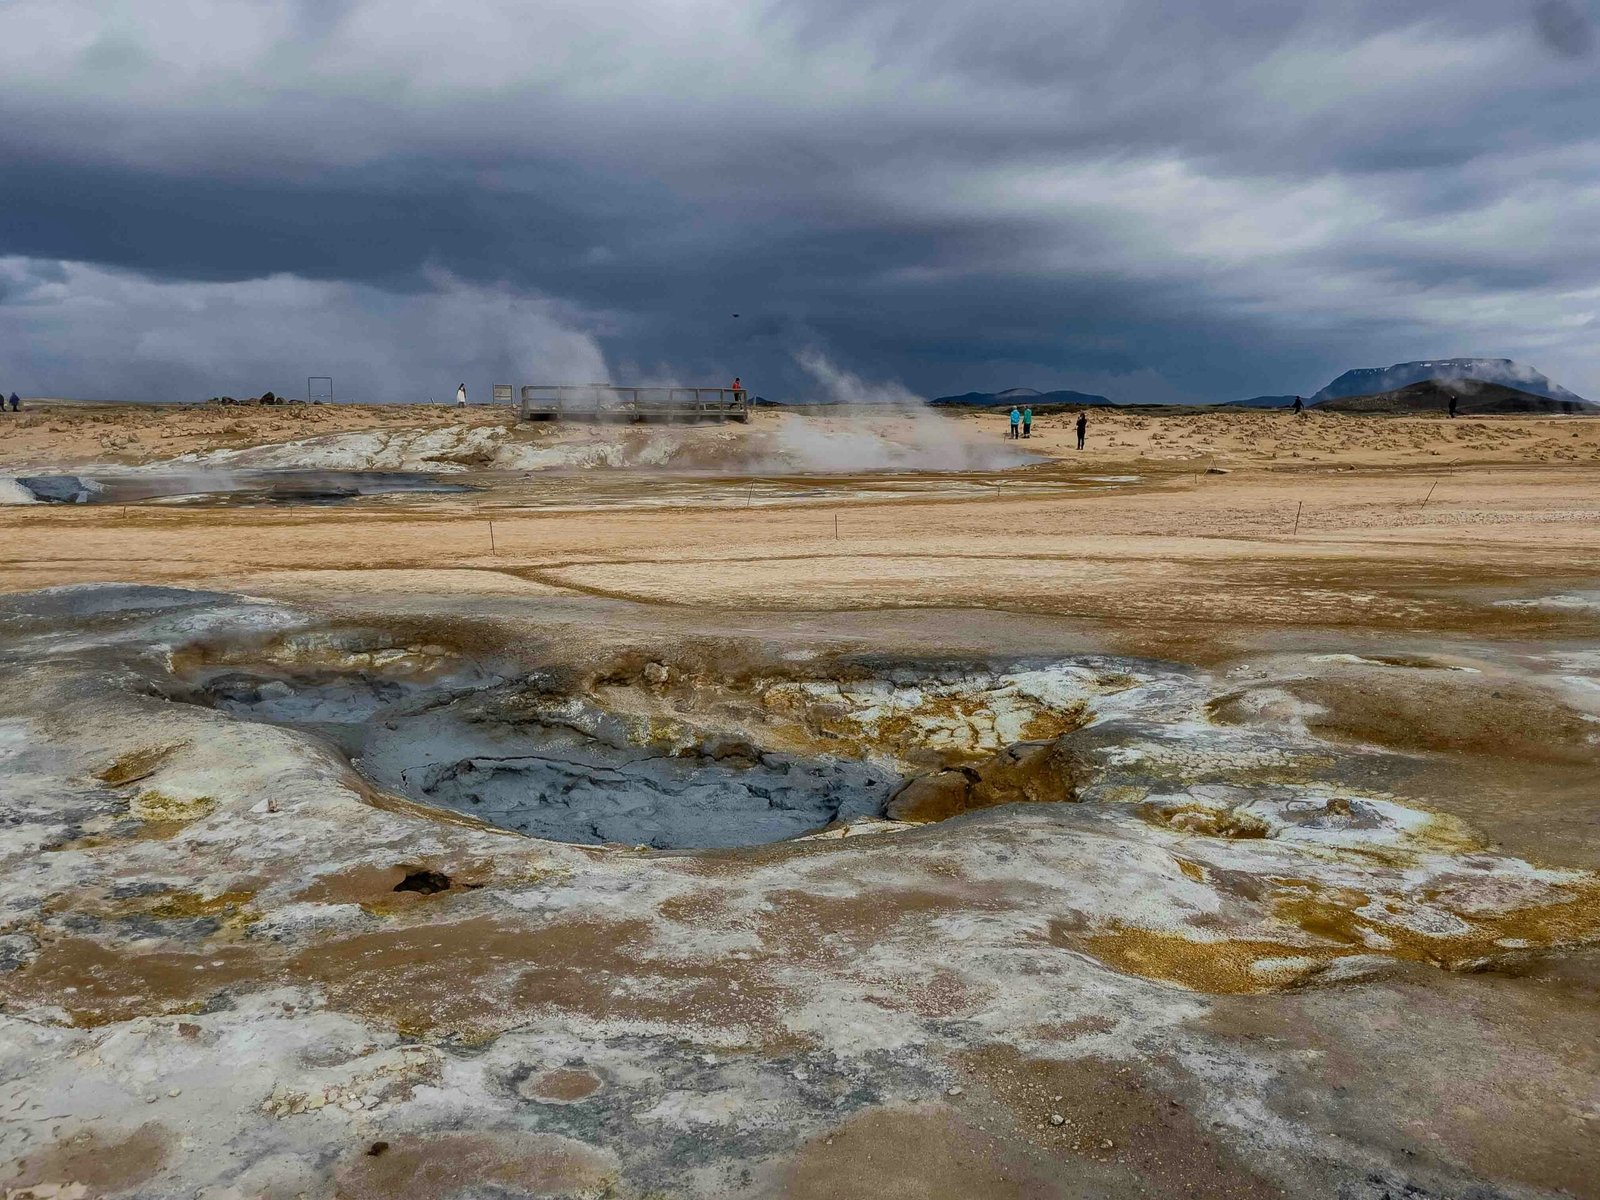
[(606, 402)]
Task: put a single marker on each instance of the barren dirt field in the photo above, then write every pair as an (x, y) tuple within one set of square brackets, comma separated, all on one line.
[(398, 802)]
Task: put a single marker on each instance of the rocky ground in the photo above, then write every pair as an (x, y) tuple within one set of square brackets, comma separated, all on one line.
[(1193, 835)]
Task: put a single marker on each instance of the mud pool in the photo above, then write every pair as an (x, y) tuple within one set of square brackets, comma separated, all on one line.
[(234, 487), (558, 767)]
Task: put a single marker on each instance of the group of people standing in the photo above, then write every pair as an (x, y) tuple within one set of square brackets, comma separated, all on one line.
[(1022, 424)]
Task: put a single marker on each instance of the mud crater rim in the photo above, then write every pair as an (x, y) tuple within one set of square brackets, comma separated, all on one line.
[(553, 757)]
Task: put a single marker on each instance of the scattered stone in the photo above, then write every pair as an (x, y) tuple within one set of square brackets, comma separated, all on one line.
[(1057, 1119), (425, 882)]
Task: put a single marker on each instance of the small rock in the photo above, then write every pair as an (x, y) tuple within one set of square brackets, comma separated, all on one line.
[(1057, 1119), (1107, 1144), (955, 1091)]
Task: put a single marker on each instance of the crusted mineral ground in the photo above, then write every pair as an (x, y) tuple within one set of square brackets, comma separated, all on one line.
[(416, 874)]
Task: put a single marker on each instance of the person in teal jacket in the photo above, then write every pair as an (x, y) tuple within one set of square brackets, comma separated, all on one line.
[(1016, 421), (1027, 421)]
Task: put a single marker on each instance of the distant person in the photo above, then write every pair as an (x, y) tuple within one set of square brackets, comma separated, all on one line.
[(1027, 421), (1452, 408), (461, 395), (738, 386), (1016, 422), (15, 403), (1083, 428), (1299, 406)]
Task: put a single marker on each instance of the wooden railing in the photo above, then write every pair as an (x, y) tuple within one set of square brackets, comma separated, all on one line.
[(604, 401)]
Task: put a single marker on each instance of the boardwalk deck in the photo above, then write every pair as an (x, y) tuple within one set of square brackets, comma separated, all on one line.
[(603, 402)]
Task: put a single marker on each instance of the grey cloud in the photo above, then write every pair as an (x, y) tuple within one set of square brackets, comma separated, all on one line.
[(1177, 199), (1564, 27)]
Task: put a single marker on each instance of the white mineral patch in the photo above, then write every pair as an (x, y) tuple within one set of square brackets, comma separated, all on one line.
[(1565, 602), (12, 492)]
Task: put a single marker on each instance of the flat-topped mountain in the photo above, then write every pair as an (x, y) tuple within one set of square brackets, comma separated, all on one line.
[(1472, 398), (1372, 381)]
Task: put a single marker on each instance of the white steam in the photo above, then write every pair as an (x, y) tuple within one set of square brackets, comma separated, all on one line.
[(879, 427), (79, 330)]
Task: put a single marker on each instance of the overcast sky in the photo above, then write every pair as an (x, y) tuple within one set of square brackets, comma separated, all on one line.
[(1153, 199)]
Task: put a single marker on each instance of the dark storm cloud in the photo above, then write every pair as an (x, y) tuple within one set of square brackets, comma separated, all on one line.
[(1161, 200), (1564, 27)]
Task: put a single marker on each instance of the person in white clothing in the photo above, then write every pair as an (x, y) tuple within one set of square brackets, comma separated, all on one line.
[(461, 395)]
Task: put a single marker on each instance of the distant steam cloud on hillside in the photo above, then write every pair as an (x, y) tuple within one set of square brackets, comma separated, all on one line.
[(1366, 381)]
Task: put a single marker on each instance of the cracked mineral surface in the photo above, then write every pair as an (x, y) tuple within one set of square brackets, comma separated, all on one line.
[(1137, 849)]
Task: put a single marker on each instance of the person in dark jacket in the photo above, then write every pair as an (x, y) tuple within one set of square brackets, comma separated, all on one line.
[(15, 403), (1299, 406), (1083, 428)]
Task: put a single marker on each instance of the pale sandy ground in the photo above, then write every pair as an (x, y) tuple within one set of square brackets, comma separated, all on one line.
[(227, 998), (1389, 536), (65, 434)]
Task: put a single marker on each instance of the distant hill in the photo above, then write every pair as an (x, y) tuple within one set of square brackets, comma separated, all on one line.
[(1473, 398), (1023, 396), (1260, 402), (1373, 381)]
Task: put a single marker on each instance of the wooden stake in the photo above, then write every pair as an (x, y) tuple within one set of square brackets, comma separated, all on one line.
[(1297, 509), (1429, 496), (836, 527), (492, 550)]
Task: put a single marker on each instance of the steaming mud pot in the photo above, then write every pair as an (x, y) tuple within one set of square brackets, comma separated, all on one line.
[(653, 754), (911, 909)]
